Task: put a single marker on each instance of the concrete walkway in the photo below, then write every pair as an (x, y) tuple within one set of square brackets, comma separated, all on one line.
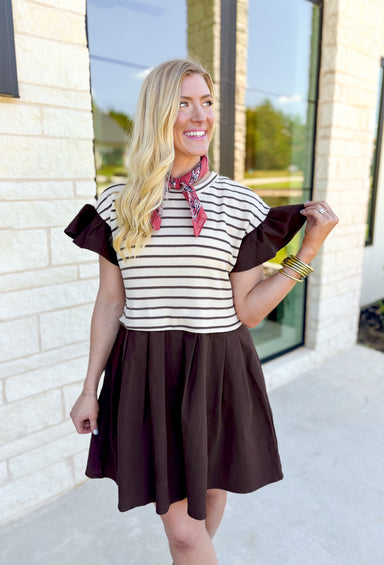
[(329, 510)]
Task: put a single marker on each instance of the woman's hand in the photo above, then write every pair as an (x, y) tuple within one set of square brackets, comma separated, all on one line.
[(84, 414), (320, 222)]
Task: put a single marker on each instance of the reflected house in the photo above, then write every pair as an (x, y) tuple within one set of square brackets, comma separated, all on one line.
[(110, 145)]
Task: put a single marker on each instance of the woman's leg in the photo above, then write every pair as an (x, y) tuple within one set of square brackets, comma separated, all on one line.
[(189, 541), (216, 500)]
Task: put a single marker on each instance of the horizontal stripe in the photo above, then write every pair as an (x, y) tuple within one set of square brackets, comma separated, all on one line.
[(172, 307), (179, 281), (186, 327)]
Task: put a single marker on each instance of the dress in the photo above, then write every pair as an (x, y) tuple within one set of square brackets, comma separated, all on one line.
[(183, 407)]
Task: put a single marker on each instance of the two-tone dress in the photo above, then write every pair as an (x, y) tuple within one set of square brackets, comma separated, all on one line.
[(183, 407)]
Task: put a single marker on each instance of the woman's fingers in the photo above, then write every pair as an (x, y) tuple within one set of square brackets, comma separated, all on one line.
[(320, 211), (84, 414)]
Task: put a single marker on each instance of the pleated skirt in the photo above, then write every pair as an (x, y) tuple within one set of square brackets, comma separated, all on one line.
[(180, 413)]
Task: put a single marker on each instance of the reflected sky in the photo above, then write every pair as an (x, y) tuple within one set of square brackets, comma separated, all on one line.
[(127, 38)]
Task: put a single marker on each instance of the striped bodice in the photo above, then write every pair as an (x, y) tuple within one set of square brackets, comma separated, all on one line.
[(179, 281)]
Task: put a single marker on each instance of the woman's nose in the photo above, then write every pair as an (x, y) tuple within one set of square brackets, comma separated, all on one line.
[(198, 114)]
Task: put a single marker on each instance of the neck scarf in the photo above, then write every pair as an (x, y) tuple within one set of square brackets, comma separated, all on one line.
[(185, 183)]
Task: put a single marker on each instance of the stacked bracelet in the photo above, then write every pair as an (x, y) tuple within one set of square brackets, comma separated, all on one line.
[(85, 393), (294, 263)]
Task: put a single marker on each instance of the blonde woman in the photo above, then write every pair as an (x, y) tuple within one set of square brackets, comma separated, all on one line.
[(183, 415)]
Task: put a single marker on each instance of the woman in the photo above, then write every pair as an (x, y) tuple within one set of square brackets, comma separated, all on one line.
[(183, 414)]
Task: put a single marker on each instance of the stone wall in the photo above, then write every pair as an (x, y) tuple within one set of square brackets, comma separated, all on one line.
[(204, 44), (351, 48), (47, 173)]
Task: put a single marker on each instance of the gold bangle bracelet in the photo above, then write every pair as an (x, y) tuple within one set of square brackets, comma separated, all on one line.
[(297, 265), (282, 272), (310, 269)]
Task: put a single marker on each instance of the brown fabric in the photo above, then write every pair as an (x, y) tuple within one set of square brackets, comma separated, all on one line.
[(89, 231), (262, 244), (180, 413)]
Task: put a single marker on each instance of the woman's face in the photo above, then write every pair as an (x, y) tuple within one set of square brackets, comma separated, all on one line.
[(193, 128)]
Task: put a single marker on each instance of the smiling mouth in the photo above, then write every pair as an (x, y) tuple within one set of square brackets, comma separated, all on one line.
[(196, 134)]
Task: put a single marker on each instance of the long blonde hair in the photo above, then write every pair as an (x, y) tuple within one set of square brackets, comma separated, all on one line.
[(151, 152)]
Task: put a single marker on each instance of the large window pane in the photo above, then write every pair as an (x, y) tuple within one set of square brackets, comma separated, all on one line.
[(375, 164), (126, 39), (280, 100)]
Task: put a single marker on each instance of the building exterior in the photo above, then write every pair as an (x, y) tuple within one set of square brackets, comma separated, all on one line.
[(324, 149)]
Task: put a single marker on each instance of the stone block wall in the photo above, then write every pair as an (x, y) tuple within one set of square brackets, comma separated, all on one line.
[(204, 44), (48, 285), (352, 45)]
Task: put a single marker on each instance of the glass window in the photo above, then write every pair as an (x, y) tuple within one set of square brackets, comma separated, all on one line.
[(8, 73), (126, 39), (374, 173), (280, 107)]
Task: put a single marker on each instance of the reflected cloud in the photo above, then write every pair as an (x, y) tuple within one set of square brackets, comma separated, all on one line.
[(290, 99), (143, 74)]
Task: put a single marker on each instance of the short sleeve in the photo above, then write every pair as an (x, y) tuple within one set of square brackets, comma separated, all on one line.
[(89, 231), (262, 243)]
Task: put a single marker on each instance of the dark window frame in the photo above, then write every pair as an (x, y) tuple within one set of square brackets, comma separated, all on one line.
[(8, 71), (376, 163), (227, 113)]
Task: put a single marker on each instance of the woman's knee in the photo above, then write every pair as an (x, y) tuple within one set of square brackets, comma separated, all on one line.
[(182, 531), (186, 536)]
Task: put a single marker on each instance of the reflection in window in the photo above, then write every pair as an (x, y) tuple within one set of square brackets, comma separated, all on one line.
[(374, 176), (280, 106), (126, 39)]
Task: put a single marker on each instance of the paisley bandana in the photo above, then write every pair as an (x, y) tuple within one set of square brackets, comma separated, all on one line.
[(185, 183)]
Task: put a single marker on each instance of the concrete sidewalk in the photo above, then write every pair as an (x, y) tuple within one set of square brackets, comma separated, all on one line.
[(329, 509)]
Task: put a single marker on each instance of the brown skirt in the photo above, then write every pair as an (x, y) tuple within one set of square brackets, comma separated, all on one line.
[(181, 413)]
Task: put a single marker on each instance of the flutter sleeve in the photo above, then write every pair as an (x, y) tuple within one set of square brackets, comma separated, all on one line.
[(262, 243), (89, 231)]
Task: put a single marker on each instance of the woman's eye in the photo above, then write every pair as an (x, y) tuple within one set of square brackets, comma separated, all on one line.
[(183, 104), (208, 103)]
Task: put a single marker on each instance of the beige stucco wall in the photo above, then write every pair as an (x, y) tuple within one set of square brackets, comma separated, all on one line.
[(46, 173)]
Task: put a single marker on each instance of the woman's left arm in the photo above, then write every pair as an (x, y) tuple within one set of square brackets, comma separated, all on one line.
[(254, 296)]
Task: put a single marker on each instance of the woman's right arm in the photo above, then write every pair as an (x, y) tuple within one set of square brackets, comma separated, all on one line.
[(104, 327)]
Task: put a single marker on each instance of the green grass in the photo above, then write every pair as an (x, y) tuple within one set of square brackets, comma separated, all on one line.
[(268, 174)]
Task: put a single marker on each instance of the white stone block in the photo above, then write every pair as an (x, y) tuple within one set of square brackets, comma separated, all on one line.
[(36, 190), (18, 118), (62, 122), (25, 249), (19, 338), (79, 465), (64, 251), (33, 279), (38, 214), (52, 63), (77, 6), (32, 441), (49, 95), (71, 393), (89, 270), (47, 454), (30, 415), (22, 495), (24, 302), (44, 359), (43, 379), (46, 158), (87, 189), (65, 326), (46, 21)]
